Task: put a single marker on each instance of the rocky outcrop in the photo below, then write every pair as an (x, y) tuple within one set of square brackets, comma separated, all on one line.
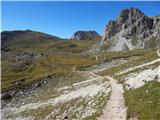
[(132, 30), (86, 35)]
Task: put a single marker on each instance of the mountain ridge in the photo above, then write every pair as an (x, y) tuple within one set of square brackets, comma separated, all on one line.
[(86, 35), (132, 30)]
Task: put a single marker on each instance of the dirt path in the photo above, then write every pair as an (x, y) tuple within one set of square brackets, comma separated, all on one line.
[(115, 108), (142, 65), (139, 66)]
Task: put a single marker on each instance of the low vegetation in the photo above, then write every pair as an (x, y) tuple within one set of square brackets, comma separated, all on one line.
[(55, 65), (30, 57), (31, 62), (142, 57), (143, 103), (107, 56)]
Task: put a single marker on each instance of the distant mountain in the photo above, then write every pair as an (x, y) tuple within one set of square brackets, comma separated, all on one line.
[(86, 35), (14, 42), (26, 38), (132, 30), (22, 35)]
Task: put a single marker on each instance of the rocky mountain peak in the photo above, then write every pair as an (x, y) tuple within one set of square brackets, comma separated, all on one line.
[(127, 18), (86, 35), (131, 26), (131, 12), (127, 14)]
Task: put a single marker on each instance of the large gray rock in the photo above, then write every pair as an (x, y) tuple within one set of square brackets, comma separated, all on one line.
[(86, 35), (6, 96), (131, 26)]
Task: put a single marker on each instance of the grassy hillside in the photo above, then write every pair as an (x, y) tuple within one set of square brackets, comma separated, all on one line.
[(142, 103), (54, 65), (135, 57), (28, 57), (36, 41)]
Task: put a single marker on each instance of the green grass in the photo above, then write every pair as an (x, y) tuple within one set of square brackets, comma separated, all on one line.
[(123, 54), (51, 46), (72, 46), (143, 58), (144, 102), (59, 58), (54, 65)]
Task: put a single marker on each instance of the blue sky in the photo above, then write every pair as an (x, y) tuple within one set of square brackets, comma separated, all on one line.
[(64, 18)]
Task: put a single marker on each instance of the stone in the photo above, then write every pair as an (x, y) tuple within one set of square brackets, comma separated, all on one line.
[(6, 96)]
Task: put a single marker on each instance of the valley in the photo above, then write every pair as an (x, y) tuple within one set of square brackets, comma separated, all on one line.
[(115, 76), (88, 92)]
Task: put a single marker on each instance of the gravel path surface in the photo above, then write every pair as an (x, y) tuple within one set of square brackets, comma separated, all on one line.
[(115, 108)]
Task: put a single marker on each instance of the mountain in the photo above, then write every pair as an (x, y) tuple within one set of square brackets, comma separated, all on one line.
[(86, 35), (132, 30), (25, 38), (30, 56), (44, 77), (17, 41), (25, 34)]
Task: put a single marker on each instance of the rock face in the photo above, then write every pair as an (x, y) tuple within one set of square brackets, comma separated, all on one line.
[(86, 35), (132, 30)]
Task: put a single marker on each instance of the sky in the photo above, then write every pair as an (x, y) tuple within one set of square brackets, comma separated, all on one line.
[(62, 18)]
